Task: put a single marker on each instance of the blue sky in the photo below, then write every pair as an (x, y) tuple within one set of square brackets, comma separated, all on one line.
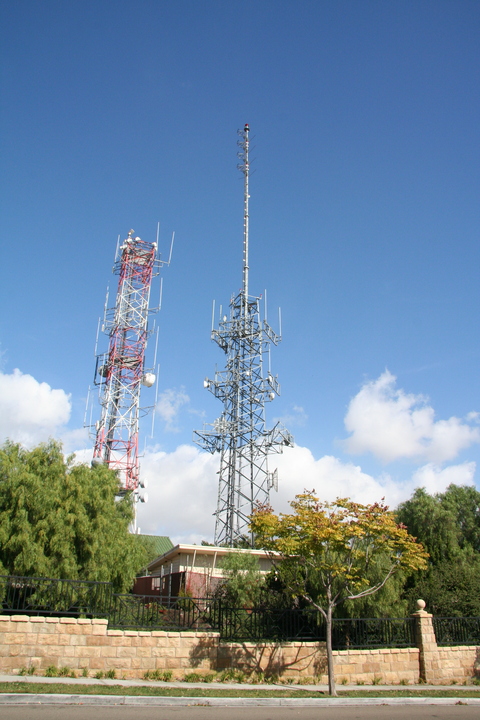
[(364, 225)]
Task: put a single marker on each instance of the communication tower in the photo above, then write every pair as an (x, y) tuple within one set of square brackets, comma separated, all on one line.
[(120, 372), (240, 433)]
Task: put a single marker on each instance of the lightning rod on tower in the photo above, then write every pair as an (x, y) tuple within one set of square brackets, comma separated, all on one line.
[(240, 434)]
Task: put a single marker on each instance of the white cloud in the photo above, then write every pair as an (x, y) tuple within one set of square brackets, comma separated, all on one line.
[(182, 494), (435, 479), (332, 478), (82, 457), (183, 484), (77, 441), (30, 411), (473, 417), (297, 417), (329, 476), (183, 487), (168, 407), (392, 424)]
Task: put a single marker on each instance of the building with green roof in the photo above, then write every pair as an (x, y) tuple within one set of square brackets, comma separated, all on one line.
[(155, 546)]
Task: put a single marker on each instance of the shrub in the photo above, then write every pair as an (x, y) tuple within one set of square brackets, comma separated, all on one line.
[(233, 675), (161, 675), (192, 677), (271, 679), (307, 680)]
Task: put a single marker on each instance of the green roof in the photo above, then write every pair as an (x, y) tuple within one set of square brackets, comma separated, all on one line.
[(155, 545)]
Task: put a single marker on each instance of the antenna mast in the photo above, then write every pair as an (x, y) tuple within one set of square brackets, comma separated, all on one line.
[(244, 167), (240, 434)]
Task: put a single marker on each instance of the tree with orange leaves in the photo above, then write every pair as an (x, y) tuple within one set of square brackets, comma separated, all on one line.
[(324, 551)]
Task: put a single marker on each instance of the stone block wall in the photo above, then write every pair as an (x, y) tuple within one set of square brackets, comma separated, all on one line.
[(297, 660), (78, 644), (82, 643), (287, 659), (443, 664), (448, 664), (387, 666)]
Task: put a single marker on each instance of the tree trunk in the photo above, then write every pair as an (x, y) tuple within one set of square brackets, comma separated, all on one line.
[(331, 670)]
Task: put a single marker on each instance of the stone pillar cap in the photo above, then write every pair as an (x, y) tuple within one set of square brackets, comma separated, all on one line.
[(421, 604)]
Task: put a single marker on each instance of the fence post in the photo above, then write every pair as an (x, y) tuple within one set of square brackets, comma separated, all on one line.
[(220, 619), (426, 643)]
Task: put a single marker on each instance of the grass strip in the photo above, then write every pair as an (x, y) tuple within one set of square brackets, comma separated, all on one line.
[(71, 689)]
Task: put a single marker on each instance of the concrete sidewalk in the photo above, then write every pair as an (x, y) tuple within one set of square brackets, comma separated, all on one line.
[(152, 701)]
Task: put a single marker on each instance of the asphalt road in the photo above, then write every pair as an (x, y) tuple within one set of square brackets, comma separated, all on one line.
[(379, 712)]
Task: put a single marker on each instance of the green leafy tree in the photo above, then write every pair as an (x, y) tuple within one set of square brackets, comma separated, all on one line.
[(463, 503), (448, 525), (450, 588), (324, 552), (61, 520), (243, 582), (388, 602)]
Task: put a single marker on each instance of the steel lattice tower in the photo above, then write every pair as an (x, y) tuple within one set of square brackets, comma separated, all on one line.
[(240, 433), (120, 372)]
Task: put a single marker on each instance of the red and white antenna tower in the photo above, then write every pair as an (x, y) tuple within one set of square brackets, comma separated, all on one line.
[(120, 372)]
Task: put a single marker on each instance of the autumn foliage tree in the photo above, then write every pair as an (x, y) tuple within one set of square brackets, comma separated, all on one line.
[(62, 520), (324, 552)]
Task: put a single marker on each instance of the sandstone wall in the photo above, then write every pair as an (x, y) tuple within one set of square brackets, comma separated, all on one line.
[(297, 660), (387, 666), (443, 664), (78, 644), (447, 664), (89, 644)]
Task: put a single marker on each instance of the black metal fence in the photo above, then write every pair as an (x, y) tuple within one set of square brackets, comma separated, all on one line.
[(457, 630), (92, 599), (48, 596), (76, 598), (149, 612), (267, 624), (373, 633), (309, 625)]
